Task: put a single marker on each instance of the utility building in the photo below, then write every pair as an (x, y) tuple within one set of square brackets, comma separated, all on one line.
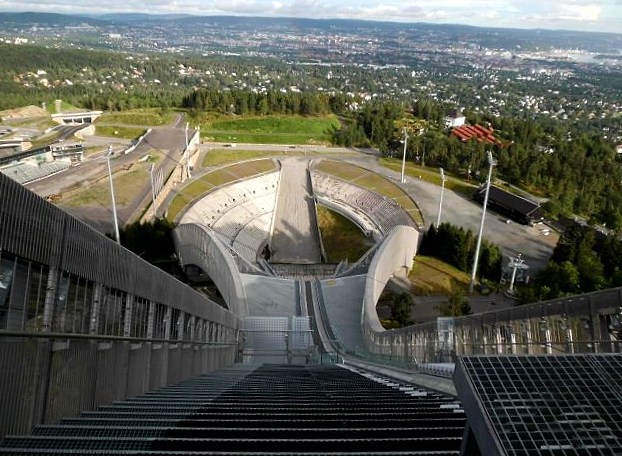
[(517, 208)]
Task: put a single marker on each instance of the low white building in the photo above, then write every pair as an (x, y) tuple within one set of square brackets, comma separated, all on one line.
[(454, 119)]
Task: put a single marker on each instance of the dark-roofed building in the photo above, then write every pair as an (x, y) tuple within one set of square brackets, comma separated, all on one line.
[(517, 208)]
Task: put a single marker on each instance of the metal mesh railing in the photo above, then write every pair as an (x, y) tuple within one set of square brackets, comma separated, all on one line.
[(84, 321)]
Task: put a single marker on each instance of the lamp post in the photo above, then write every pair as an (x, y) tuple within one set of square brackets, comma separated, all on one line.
[(404, 155), (153, 193), (491, 162), (440, 202), (187, 153), (114, 203)]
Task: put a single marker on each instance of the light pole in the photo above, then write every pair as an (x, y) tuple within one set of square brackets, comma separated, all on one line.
[(404, 155), (186, 153), (114, 203), (440, 202), (491, 162), (153, 194)]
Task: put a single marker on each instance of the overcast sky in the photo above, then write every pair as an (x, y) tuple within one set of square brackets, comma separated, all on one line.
[(589, 15)]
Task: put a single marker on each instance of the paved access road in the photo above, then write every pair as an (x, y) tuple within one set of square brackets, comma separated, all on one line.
[(169, 140)]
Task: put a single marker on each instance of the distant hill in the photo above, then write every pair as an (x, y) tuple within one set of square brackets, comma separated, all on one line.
[(510, 39), (130, 18), (48, 19)]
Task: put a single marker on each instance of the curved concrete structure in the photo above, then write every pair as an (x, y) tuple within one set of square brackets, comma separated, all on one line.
[(197, 245), (396, 253)]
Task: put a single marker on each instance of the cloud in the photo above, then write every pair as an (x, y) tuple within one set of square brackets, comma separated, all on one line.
[(581, 13)]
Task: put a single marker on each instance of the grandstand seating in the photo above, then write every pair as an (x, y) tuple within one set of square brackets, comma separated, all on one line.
[(368, 205), (25, 172), (239, 213), (209, 209), (250, 238), (267, 409)]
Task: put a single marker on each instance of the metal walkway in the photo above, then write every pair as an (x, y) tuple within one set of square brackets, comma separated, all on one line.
[(262, 410)]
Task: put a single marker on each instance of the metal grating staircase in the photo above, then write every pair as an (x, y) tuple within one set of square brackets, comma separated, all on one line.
[(262, 410)]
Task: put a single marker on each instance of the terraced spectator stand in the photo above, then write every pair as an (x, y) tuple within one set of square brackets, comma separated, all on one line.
[(262, 409)]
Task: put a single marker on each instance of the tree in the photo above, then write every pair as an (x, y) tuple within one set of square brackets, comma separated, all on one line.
[(457, 305), (401, 307), (152, 241)]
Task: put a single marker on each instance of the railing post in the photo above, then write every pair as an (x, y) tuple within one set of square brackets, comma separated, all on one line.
[(127, 321), (151, 320)]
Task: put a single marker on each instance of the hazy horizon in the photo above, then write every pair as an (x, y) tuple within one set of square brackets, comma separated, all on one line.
[(574, 15)]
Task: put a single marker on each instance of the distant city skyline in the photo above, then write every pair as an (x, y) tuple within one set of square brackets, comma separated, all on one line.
[(586, 15)]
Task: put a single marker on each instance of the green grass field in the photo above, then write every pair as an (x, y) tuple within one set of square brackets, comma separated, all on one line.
[(50, 106), (115, 131), (142, 117), (270, 129), (126, 185), (342, 239), (218, 157), (214, 179), (431, 276), (372, 181), (429, 175)]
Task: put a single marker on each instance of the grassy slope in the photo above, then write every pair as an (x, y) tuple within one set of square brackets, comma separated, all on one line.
[(342, 239), (432, 276), (151, 116), (270, 129)]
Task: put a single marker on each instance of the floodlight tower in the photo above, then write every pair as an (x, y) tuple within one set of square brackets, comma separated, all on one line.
[(404, 155), (440, 202), (114, 203), (491, 162)]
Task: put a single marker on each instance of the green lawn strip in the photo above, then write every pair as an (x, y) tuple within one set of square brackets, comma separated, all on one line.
[(220, 177), (175, 207), (432, 276), (119, 131), (261, 166), (217, 157), (269, 138), (431, 175), (241, 170), (343, 170), (342, 238)]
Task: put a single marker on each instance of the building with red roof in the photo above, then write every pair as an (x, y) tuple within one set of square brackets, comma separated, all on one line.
[(482, 134)]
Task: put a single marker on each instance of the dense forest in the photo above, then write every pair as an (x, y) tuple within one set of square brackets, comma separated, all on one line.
[(456, 246), (583, 261)]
